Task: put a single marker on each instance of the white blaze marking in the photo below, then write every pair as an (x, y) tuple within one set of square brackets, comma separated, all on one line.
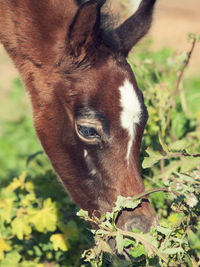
[(131, 112), (135, 4)]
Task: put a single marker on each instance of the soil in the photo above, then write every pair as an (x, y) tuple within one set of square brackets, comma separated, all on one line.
[(173, 20)]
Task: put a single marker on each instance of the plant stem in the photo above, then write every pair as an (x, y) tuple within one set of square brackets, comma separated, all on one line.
[(151, 191), (185, 64)]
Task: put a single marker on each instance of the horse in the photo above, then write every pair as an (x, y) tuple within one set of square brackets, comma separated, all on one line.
[(89, 113)]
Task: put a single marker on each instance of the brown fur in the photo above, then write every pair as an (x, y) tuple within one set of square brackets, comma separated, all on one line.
[(68, 66)]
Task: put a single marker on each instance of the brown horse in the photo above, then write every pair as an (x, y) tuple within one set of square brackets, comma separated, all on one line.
[(88, 111)]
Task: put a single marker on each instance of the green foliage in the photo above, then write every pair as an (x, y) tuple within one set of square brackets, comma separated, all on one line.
[(38, 223), (174, 242), (17, 136)]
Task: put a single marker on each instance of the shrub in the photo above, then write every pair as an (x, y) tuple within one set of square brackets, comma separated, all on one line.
[(38, 222)]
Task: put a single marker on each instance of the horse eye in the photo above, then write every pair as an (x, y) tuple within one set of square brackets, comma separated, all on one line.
[(87, 132)]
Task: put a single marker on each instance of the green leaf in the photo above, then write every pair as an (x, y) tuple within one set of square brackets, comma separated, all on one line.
[(27, 200), (83, 214), (126, 202), (6, 206), (3, 247), (185, 177), (179, 124), (38, 251), (189, 164), (179, 145), (138, 251), (105, 247), (171, 251), (100, 232), (150, 239), (163, 230), (108, 224), (45, 218), (59, 242), (20, 227), (129, 242), (154, 157), (18, 182), (120, 242), (171, 168), (192, 95), (12, 259), (70, 230), (174, 218), (136, 231)]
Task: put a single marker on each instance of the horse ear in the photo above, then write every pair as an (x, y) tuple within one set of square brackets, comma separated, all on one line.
[(84, 29), (133, 29)]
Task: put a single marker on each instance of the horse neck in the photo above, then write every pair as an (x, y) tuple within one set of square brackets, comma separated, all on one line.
[(34, 35)]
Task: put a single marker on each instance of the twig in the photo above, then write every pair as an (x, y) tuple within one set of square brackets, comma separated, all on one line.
[(185, 64), (190, 155), (184, 153), (151, 191), (179, 154)]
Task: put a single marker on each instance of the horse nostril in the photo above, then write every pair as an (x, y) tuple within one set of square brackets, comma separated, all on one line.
[(142, 223)]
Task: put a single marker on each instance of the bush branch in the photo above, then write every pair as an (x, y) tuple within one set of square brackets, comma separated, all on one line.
[(180, 77)]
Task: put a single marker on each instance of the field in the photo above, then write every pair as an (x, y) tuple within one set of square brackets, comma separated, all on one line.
[(38, 222)]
